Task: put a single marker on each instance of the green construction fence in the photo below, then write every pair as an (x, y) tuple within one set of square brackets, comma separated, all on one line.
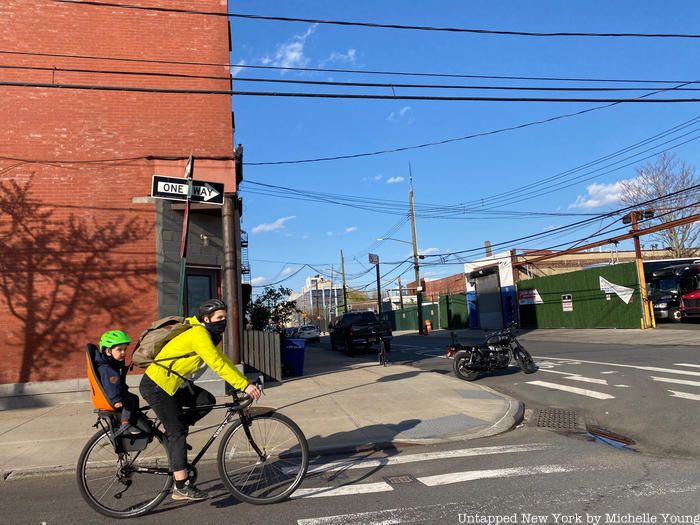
[(577, 300), (450, 311)]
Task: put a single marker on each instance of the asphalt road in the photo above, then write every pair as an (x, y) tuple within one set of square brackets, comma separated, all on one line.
[(648, 393), (524, 476)]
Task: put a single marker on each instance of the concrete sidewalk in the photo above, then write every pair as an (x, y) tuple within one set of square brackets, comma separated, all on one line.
[(340, 403)]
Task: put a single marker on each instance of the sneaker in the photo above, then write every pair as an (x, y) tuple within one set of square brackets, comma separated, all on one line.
[(189, 492)]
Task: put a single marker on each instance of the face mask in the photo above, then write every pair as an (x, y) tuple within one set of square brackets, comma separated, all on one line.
[(219, 327)]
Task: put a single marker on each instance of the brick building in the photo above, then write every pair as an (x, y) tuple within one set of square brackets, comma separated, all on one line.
[(84, 248)]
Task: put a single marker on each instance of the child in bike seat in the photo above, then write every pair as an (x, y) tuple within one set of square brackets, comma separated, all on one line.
[(110, 368)]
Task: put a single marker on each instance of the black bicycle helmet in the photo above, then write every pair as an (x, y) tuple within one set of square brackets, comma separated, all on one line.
[(209, 307)]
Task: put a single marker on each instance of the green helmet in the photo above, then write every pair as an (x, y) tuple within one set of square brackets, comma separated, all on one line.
[(113, 338)]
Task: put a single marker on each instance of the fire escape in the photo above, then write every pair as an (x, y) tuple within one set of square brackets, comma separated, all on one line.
[(245, 262)]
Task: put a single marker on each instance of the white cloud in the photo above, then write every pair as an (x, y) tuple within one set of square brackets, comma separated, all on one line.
[(428, 251), (236, 69), (342, 58), (377, 177), (287, 271), (394, 180), (257, 281), (395, 116), (351, 229), (330, 234), (291, 53), (599, 195), (272, 226)]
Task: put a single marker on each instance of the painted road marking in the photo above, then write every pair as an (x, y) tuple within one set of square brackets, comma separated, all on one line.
[(571, 389), (471, 475), (402, 459), (686, 364), (685, 395), (646, 368), (676, 381), (623, 386), (610, 372), (446, 512), (588, 380), (345, 490)]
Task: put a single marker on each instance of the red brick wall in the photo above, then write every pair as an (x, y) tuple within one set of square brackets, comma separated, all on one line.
[(78, 256)]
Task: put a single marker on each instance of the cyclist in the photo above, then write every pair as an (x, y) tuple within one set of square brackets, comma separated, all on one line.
[(167, 390), (110, 368)]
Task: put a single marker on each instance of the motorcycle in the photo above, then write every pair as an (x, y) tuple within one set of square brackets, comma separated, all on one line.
[(497, 352)]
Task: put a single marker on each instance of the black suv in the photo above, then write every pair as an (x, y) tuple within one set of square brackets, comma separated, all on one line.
[(359, 330)]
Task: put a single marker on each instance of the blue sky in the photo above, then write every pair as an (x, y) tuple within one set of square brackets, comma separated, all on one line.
[(290, 232)]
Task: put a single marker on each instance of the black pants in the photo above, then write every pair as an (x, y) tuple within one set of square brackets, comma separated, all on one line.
[(177, 421), (130, 405)]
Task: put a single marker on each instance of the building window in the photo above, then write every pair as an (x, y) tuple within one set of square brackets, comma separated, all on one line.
[(200, 286)]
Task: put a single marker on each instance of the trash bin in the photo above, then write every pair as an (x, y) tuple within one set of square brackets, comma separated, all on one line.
[(293, 356)]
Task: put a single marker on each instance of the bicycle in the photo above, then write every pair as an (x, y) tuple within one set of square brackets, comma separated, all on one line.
[(382, 353), (262, 459)]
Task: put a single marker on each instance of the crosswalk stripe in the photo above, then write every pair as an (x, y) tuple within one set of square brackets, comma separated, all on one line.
[(471, 475), (676, 381), (686, 364), (588, 380), (345, 490), (571, 389), (400, 459), (646, 368), (685, 395)]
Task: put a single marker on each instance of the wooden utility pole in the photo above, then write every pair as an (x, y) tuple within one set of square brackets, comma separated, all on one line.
[(400, 293), (379, 291), (416, 271), (345, 288), (231, 276), (634, 217)]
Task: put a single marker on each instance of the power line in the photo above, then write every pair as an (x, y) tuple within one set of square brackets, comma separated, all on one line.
[(350, 96), (375, 25), (348, 71)]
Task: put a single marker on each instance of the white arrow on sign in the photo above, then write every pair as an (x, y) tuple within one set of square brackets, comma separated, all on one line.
[(206, 191)]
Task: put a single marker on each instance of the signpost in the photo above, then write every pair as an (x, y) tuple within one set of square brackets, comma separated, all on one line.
[(374, 259), (187, 190)]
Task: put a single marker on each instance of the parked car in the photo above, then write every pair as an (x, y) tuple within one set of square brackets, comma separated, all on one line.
[(308, 332), (359, 330), (668, 285)]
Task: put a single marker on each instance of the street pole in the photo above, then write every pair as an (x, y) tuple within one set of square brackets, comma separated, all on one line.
[(634, 216), (345, 288), (318, 317), (231, 277), (419, 291), (400, 293), (189, 170), (379, 291)]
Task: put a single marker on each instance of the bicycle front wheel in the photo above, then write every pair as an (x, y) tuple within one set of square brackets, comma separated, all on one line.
[(123, 485), (271, 473)]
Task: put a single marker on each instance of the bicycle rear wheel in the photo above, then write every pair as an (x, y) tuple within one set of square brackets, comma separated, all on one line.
[(123, 485), (272, 477)]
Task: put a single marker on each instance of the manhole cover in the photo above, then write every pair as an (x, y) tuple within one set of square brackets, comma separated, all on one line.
[(398, 480), (557, 419)]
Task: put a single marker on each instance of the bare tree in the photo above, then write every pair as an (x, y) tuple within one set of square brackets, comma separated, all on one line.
[(663, 175)]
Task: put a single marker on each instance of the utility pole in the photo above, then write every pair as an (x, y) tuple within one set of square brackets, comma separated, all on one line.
[(400, 293), (231, 276), (419, 290), (379, 290), (634, 217), (318, 317), (345, 288)]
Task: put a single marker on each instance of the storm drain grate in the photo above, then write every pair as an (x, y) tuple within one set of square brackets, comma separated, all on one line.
[(398, 480), (557, 419)]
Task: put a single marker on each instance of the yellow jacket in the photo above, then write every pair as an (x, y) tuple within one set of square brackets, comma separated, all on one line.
[(198, 341)]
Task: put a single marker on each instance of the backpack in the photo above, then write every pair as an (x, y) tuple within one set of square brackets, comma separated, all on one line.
[(155, 337)]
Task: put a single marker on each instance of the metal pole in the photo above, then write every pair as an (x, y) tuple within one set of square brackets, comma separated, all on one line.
[(189, 169), (640, 272), (379, 291), (400, 293), (419, 292), (345, 288), (231, 279), (318, 317)]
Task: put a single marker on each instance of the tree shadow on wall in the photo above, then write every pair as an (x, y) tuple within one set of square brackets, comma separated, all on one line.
[(59, 276)]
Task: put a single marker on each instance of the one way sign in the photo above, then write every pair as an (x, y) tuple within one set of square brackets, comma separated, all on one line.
[(176, 189)]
